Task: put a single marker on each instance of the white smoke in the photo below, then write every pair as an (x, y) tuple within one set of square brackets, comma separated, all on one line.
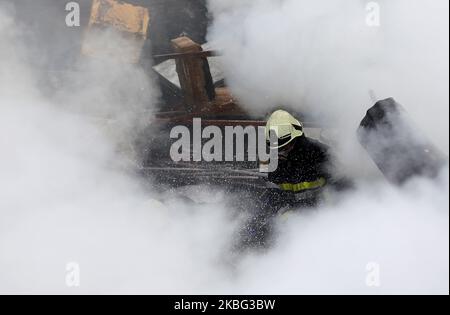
[(68, 193), (68, 196), (398, 236), (322, 58)]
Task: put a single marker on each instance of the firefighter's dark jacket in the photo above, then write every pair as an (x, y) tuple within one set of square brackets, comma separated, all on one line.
[(307, 167)]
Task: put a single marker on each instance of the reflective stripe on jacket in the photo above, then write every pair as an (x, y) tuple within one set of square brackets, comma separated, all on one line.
[(303, 186)]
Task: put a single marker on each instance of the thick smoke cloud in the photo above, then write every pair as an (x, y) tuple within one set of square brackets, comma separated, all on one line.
[(69, 194), (404, 233), (323, 58)]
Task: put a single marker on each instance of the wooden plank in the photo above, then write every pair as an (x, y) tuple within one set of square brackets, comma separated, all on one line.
[(128, 21), (194, 74), (200, 54), (122, 16)]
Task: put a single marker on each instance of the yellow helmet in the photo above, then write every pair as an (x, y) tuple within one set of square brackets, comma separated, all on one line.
[(285, 127)]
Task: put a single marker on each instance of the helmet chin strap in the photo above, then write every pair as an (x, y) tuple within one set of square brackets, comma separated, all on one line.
[(283, 153)]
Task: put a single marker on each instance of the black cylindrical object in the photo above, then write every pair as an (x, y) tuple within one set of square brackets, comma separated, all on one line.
[(398, 147)]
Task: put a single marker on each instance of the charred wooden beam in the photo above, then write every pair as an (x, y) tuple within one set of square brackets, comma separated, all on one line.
[(199, 54), (194, 74)]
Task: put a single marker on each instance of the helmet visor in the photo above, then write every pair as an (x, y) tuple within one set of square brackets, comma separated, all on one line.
[(275, 143)]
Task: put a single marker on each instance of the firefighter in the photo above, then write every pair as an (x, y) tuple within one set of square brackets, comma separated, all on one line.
[(304, 170), (304, 164)]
